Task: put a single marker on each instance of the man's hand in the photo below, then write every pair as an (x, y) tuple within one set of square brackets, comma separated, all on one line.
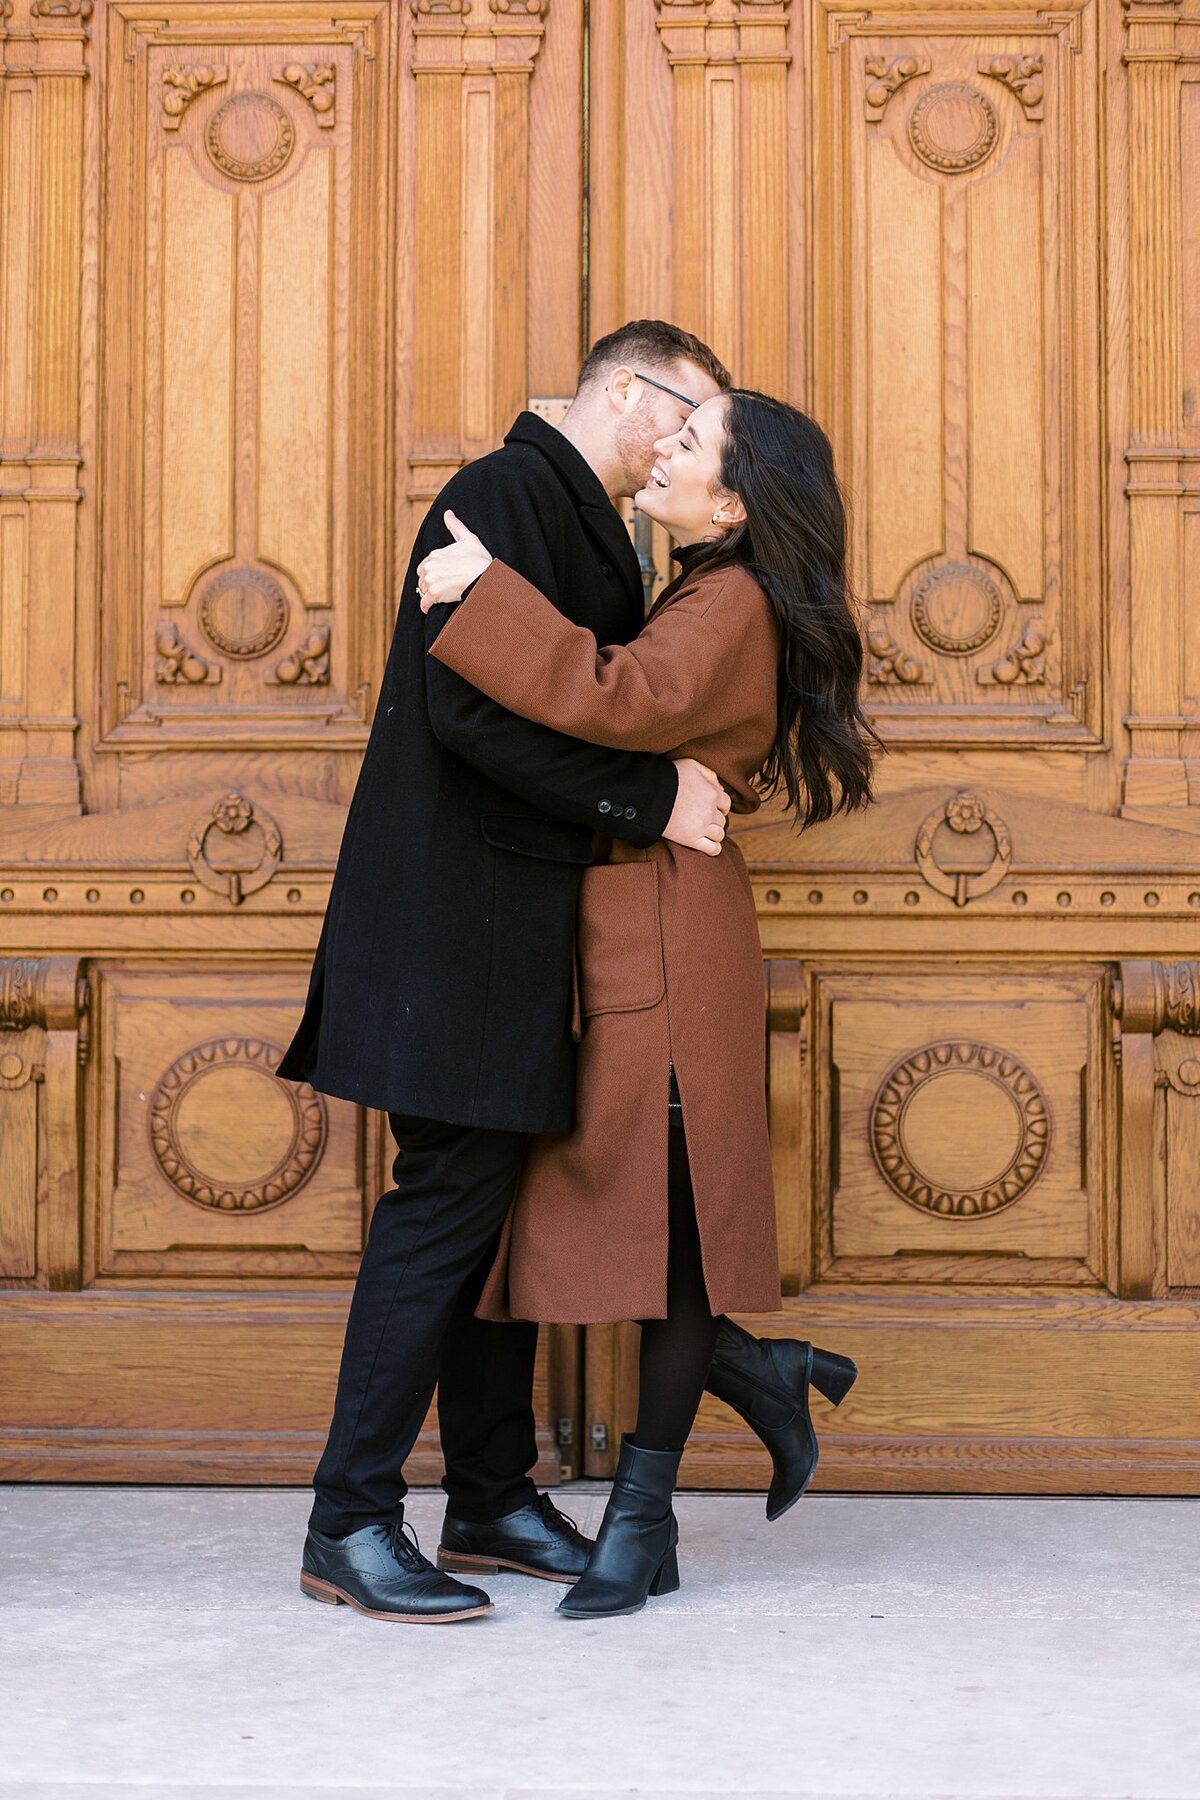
[(698, 818)]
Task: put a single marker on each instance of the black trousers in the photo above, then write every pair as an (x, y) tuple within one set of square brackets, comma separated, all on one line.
[(412, 1327)]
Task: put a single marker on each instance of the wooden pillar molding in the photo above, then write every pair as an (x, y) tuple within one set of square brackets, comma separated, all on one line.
[(42, 51), (1156, 774), (471, 64), (1158, 1008), (43, 1042), (730, 227)]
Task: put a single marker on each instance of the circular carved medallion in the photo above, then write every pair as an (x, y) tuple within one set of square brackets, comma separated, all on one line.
[(959, 1129), (250, 137), (956, 609), (229, 1135), (243, 612), (953, 127)]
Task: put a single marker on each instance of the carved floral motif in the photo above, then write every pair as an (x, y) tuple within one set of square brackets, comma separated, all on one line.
[(307, 666), (893, 1154), (21, 978), (233, 814), (180, 85), (185, 1171), (965, 813), (1025, 663), (888, 663), (317, 83), (176, 664), (884, 75), (1181, 1011), (62, 9), (1022, 74)]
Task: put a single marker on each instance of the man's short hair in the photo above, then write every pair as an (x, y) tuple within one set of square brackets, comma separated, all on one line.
[(654, 345)]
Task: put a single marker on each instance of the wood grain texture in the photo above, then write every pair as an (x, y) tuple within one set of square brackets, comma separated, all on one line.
[(212, 370), (202, 1388)]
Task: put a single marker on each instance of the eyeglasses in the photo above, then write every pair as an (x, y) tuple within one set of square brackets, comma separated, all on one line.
[(663, 388)]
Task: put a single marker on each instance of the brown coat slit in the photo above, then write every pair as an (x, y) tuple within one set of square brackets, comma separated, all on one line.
[(670, 968)]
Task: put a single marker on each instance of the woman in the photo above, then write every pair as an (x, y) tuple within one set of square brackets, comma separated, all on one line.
[(749, 662)]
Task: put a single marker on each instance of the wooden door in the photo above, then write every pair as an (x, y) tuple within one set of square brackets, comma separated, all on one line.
[(963, 238), (269, 276)]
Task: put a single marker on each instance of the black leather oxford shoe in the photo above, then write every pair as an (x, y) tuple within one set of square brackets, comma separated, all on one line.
[(380, 1573), (535, 1540)]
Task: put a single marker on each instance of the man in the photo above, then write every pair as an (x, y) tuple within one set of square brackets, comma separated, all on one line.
[(442, 991)]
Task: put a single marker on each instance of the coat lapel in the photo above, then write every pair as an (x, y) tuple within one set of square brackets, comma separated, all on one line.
[(599, 517)]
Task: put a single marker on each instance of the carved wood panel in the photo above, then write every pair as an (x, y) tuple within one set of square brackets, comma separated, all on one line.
[(247, 340), (961, 370), (960, 1125), (207, 1164), (44, 1043)]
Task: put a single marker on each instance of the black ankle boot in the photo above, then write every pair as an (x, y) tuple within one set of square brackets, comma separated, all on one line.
[(766, 1381), (634, 1554)]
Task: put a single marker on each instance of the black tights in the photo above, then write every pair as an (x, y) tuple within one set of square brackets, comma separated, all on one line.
[(676, 1351)]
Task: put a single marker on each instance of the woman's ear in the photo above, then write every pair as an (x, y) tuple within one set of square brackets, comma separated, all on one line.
[(729, 512)]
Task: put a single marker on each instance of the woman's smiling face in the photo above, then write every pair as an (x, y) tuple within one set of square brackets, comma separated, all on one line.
[(683, 491)]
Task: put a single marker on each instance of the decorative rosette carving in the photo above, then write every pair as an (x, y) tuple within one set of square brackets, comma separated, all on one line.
[(910, 1169), (953, 128), (245, 120), (183, 1152)]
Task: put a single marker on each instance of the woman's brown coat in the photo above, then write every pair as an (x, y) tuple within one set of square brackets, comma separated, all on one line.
[(670, 968)]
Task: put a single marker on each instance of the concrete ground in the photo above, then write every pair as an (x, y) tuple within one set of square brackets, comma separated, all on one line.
[(154, 1642)]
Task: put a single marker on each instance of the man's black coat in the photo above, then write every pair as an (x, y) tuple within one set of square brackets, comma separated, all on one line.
[(442, 981)]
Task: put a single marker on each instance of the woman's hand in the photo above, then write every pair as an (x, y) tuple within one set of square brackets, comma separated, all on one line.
[(445, 575)]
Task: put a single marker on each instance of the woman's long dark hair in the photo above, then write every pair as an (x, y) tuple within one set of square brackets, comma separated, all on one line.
[(780, 465)]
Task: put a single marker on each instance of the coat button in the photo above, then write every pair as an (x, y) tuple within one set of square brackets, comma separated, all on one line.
[(605, 806), (631, 812), (607, 570), (618, 812)]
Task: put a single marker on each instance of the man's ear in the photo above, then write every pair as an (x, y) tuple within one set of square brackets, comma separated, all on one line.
[(619, 388)]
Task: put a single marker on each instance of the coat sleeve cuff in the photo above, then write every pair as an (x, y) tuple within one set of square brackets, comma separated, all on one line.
[(654, 814)]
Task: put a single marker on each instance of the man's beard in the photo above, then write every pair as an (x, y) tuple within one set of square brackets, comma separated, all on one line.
[(635, 450)]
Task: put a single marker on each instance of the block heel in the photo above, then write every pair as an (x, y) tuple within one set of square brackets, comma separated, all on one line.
[(766, 1381), (666, 1581), (634, 1556), (833, 1375)]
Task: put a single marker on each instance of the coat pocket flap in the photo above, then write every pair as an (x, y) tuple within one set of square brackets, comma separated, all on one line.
[(620, 938), (553, 839)]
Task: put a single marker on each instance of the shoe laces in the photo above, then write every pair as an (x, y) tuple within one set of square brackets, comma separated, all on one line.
[(402, 1542), (552, 1514)]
